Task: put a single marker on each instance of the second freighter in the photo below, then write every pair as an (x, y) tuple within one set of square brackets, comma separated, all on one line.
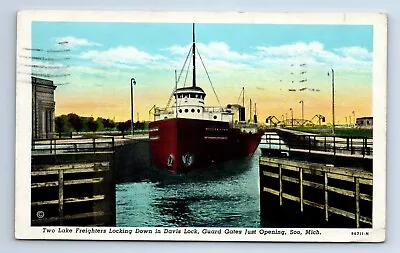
[(191, 135)]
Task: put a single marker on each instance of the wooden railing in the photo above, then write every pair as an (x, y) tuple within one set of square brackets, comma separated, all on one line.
[(73, 194), (362, 146), (72, 182), (67, 145), (352, 188)]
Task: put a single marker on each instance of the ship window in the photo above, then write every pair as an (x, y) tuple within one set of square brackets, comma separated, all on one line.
[(180, 110), (198, 110), (186, 110), (215, 116), (192, 95), (185, 95), (192, 110), (165, 117), (179, 95)]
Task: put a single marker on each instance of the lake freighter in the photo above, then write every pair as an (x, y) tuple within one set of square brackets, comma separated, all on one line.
[(189, 134)]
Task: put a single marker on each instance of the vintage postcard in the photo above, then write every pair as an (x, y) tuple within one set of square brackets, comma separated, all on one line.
[(201, 126)]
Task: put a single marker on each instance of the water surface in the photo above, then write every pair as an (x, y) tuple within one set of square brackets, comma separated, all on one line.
[(224, 195)]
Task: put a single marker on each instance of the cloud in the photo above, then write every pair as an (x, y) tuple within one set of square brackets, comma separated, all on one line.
[(355, 52), (121, 56), (213, 50), (313, 53), (72, 41), (219, 54), (299, 48)]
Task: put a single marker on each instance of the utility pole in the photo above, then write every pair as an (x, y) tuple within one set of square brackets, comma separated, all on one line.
[(291, 109), (133, 83), (333, 101), (302, 111)]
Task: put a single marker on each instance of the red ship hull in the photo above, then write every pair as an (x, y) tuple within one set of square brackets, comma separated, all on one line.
[(181, 144)]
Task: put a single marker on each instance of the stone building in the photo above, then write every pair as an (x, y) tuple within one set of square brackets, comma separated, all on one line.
[(365, 122), (43, 107)]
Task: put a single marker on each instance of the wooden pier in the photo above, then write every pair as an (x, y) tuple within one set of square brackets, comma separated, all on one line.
[(73, 182), (309, 187)]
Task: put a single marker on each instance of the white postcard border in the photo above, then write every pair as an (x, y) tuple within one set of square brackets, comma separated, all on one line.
[(23, 230)]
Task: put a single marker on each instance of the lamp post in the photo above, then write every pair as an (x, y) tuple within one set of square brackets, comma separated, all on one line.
[(291, 109), (354, 117), (133, 82), (302, 111), (333, 101)]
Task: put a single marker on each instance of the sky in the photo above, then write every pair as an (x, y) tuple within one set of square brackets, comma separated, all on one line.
[(279, 65)]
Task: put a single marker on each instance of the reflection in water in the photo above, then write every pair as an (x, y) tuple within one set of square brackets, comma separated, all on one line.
[(224, 195), (175, 211)]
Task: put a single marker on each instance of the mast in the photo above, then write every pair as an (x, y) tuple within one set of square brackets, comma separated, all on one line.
[(243, 95), (176, 95), (250, 109), (194, 58)]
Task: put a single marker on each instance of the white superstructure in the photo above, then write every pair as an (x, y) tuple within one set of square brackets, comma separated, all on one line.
[(189, 104)]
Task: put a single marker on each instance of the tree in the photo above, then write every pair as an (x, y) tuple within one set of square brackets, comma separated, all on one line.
[(100, 126), (59, 124), (139, 125), (75, 121), (92, 125), (123, 126), (112, 124), (62, 124), (108, 124)]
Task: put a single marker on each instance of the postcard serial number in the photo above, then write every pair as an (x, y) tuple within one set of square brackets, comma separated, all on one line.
[(359, 233)]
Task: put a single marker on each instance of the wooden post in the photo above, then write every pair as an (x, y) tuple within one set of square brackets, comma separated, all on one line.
[(334, 145), (269, 140), (326, 197), (364, 146), (280, 184), (61, 196), (357, 196), (51, 146), (325, 143), (351, 146), (301, 189), (55, 151), (279, 141)]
